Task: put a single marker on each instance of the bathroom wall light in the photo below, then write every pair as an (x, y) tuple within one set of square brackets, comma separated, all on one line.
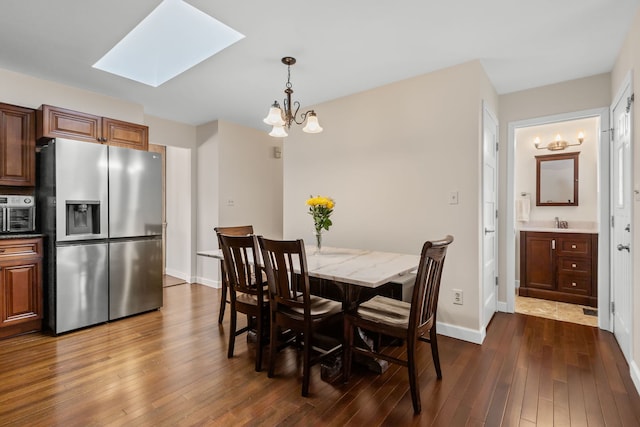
[(558, 143)]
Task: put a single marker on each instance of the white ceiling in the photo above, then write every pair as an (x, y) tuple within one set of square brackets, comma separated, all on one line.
[(342, 47)]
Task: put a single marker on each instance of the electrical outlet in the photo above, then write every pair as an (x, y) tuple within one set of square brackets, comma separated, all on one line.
[(457, 296), (230, 203)]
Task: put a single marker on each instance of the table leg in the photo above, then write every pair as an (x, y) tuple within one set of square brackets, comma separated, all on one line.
[(351, 297)]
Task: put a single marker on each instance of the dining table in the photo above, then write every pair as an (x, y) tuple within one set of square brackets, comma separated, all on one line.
[(352, 271), (356, 268)]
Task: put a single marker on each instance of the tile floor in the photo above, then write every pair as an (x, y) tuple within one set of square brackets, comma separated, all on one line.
[(555, 310)]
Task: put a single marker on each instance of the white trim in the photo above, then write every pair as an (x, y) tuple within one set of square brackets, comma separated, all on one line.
[(207, 282), (603, 237), (502, 306), (635, 374), (458, 332), (179, 274)]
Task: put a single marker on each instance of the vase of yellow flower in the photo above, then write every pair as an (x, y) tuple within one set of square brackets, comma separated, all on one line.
[(320, 208)]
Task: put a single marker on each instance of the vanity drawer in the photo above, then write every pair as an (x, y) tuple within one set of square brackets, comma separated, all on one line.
[(574, 283), (574, 265), (577, 246)]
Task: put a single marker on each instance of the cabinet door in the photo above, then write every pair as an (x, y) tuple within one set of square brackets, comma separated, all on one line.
[(124, 134), (540, 262), (17, 146), (20, 289), (55, 122)]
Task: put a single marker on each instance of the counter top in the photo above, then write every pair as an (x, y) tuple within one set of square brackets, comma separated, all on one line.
[(560, 230), (575, 226), (20, 236)]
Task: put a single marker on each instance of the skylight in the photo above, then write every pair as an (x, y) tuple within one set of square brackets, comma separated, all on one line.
[(173, 38)]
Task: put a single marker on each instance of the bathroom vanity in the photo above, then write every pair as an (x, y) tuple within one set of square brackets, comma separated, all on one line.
[(559, 265)]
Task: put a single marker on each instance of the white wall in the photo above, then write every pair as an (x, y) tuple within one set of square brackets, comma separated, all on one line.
[(208, 164), (235, 164), (30, 92), (250, 177), (390, 157), (180, 253)]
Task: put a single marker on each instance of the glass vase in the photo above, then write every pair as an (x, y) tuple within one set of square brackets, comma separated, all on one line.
[(318, 241)]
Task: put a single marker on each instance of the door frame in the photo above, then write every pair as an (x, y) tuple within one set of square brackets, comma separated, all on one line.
[(627, 82), (604, 309)]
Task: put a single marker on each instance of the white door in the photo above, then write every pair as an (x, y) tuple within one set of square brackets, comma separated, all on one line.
[(489, 214), (621, 219)]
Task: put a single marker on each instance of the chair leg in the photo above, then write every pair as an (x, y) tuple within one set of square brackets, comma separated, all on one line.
[(346, 350), (413, 375), (232, 332), (306, 362), (273, 345), (223, 301), (433, 338), (259, 343)]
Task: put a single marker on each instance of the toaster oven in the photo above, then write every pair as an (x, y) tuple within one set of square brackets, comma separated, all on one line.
[(17, 214)]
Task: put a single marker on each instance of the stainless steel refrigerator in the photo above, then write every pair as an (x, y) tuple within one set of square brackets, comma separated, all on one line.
[(101, 210)]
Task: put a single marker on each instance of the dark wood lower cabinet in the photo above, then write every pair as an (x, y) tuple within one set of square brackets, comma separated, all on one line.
[(20, 286), (559, 267)]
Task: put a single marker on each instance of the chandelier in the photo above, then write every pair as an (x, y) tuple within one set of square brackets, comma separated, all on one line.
[(279, 118)]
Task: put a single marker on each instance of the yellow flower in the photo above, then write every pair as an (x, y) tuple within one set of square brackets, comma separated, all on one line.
[(321, 208)]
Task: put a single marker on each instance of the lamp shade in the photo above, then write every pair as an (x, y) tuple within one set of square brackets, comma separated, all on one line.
[(312, 125), (278, 132), (274, 118)]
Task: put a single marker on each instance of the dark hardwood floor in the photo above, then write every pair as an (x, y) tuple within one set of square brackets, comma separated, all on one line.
[(169, 367)]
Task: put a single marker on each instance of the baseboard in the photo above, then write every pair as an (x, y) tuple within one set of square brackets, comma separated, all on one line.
[(502, 306), (179, 274), (635, 375), (458, 332), (208, 282)]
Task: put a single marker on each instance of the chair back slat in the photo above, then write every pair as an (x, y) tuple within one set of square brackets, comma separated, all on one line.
[(285, 264), (427, 286), (243, 273), (239, 230)]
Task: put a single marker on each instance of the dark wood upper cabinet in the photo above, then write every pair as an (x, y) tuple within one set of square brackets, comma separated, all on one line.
[(124, 134), (56, 122), (17, 146)]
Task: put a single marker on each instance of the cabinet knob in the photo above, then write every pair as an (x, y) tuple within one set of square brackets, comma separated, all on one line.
[(573, 284), (573, 246), (573, 265)]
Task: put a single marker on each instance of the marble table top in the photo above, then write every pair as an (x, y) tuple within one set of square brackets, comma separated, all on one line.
[(360, 267)]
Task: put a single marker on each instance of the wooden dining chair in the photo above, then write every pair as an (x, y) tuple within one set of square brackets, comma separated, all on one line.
[(291, 304), (410, 322), (240, 230), (246, 289)]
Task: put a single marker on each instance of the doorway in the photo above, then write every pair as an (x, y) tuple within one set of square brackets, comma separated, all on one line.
[(596, 194)]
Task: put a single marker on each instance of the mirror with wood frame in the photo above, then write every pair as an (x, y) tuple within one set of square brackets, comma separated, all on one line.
[(557, 179)]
